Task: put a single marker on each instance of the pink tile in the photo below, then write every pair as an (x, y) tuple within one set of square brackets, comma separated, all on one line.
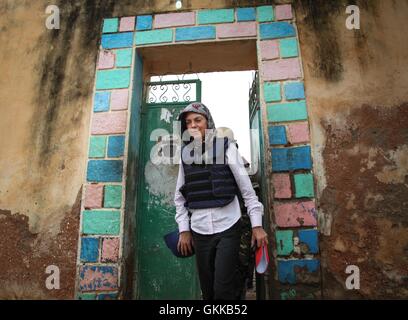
[(93, 196), (166, 20), (106, 60), (236, 30), (127, 24), (282, 69), (298, 133), (110, 250), (269, 49), (109, 123), (281, 184), (95, 278), (119, 99), (284, 12), (295, 214)]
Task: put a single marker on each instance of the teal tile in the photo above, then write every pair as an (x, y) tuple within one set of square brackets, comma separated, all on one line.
[(97, 147), (113, 197), (288, 48), (112, 79), (287, 111), (124, 57), (101, 222), (87, 296), (284, 242), (265, 14), (304, 185), (105, 171), (110, 25), (215, 16), (154, 36), (272, 91)]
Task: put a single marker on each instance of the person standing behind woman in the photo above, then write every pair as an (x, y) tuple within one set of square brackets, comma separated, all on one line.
[(209, 192)]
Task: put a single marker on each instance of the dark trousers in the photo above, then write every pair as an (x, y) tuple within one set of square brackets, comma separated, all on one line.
[(217, 258)]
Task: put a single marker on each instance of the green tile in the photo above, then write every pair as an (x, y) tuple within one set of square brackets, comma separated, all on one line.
[(87, 296), (288, 48), (124, 57), (113, 197), (101, 222), (272, 91), (154, 36), (284, 242), (304, 185), (215, 16), (97, 147), (110, 25), (265, 13), (287, 111)]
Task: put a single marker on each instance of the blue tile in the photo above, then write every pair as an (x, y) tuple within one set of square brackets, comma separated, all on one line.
[(286, 269), (246, 14), (195, 33), (288, 159), (116, 146), (276, 30), (144, 23), (102, 101), (105, 171), (117, 40), (280, 159), (310, 238), (294, 90), (300, 158), (277, 135), (89, 249)]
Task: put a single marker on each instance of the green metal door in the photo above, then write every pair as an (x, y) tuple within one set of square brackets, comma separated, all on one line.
[(160, 275), (259, 177)]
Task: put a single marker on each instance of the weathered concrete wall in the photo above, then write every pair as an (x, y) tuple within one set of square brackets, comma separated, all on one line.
[(46, 84), (357, 107)]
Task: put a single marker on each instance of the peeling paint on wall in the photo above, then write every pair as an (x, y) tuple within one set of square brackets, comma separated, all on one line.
[(397, 171), (161, 180)]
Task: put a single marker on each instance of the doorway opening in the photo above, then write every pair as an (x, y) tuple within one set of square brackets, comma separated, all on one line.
[(230, 98)]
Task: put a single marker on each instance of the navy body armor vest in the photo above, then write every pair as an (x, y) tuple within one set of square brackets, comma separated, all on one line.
[(208, 185)]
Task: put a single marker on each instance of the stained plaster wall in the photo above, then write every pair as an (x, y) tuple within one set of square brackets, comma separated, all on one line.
[(358, 116)]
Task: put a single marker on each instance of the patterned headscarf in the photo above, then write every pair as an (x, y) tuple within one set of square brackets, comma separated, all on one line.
[(200, 108)]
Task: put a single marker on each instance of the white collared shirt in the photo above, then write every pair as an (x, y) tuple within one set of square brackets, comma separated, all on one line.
[(215, 220)]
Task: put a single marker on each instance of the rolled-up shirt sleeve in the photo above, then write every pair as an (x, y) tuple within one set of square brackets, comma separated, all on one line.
[(254, 207), (182, 217)]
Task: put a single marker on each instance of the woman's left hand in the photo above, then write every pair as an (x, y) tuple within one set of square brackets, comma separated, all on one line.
[(259, 236)]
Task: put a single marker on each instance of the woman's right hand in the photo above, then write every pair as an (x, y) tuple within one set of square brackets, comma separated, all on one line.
[(185, 244)]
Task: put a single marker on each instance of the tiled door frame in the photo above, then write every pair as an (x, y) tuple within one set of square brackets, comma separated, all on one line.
[(287, 152)]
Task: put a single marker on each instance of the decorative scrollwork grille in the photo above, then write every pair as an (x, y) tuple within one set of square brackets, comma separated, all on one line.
[(164, 92)]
